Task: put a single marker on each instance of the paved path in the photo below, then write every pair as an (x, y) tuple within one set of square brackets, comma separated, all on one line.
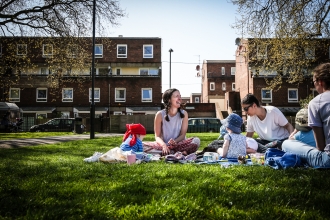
[(16, 143)]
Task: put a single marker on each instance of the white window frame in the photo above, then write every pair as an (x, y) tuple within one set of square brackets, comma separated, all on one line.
[(97, 93), (196, 99), (41, 99), (266, 99), (44, 71), (118, 99), (309, 53), (292, 99), (118, 69), (66, 96), (11, 97), (98, 50), (223, 86), (142, 71), (121, 55), (262, 52), (45, 53), (149, 99), (233, 86), (22, 49), (212, 86), (223, 71), (232, 70), (148, 55), (72, 51)]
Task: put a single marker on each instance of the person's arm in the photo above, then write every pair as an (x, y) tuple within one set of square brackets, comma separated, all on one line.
[(319, 138), (158, 133), (225, 148), (289, 127), (249, 134), (292, 135)]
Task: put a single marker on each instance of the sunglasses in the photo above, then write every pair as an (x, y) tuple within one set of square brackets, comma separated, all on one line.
[(246, 108)]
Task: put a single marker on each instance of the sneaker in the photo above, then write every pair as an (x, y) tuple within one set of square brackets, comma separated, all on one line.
[(94, 158)]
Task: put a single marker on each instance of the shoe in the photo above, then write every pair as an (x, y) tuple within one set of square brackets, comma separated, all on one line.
[(93, 158)]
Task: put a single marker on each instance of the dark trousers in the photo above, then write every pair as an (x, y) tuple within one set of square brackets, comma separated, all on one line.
[(263, 145)]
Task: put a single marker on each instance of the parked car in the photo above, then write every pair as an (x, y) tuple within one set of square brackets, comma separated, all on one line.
[(56, 124), (204, 125)]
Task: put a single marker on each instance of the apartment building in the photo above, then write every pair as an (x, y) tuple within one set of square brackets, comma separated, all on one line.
[(52, 77)]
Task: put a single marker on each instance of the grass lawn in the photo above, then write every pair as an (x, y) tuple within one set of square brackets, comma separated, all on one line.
[(53, 182)]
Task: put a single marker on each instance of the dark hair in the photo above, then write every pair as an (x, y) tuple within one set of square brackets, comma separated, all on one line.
[(166, 99), (250, 99), (322, 72)]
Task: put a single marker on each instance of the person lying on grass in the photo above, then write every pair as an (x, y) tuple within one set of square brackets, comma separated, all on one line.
[(170, 126)]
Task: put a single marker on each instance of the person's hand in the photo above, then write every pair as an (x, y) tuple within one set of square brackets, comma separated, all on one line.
[(165, 150), (172, 142)]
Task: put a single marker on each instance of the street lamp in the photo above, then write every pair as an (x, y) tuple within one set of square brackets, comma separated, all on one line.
[(92, 109), (170, 50)]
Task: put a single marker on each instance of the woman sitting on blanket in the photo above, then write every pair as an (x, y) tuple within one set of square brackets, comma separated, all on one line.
[(170, 128)]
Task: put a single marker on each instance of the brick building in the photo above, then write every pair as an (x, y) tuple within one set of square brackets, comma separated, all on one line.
[(251, 76), (48, 77), (218, 78)]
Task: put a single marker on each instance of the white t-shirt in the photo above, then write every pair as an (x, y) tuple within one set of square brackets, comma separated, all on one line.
[(271, 128)]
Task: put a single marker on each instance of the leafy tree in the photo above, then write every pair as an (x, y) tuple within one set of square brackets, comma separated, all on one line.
[(56, 18), (288, 31), (62, 24)]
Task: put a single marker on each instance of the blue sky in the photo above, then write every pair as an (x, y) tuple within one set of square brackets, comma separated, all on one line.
[(195, 30)]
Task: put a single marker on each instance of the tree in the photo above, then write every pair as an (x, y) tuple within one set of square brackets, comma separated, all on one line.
[(56, 18), (288, 31)]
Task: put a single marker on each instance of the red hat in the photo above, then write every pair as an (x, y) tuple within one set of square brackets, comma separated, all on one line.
[(133, 129)]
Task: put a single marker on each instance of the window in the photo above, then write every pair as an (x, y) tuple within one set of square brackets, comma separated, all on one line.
[(146, 94), (14, 95), (212, 86), (148, 51), (118, 71), (41, 94), (44, 71), (223, 72), (96, 94), (233, 70), (67, 95), (144, 71), (120, 94), (41, 115), (224, 86), (262, 52), (102, 71), (153, 72), (122, 51), (233, 86), (72, 51), (21, 49), (98, 50), (310, 53), (292, 95), (266, 95), (47, 50), (196, 99)]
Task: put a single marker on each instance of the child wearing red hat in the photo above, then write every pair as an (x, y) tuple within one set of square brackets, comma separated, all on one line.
[(133, 137)]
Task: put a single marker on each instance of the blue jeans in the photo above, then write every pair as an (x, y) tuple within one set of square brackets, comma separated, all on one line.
[(309, 155)]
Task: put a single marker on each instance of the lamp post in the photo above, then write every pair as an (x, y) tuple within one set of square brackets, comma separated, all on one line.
[(170, 50), (92, 110)]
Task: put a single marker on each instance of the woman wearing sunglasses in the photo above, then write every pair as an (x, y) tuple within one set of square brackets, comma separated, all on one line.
[(319, 120), (267, 121)]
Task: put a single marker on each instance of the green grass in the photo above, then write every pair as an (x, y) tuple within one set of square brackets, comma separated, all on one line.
[(8, 136), (53, 182)]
